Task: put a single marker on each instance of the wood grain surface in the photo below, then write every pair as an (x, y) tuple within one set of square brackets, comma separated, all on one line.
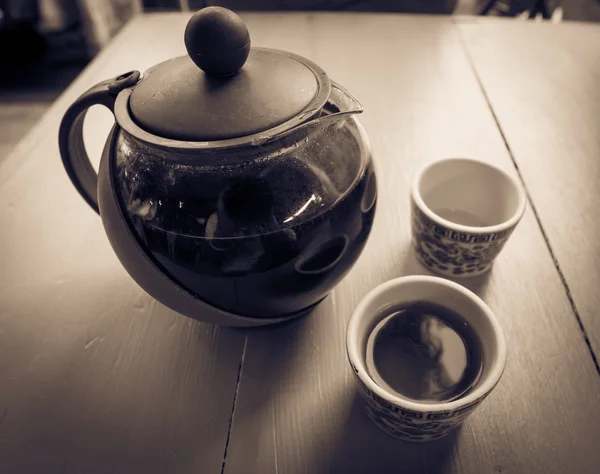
[(542, 82), (296, 410), (95, 376)]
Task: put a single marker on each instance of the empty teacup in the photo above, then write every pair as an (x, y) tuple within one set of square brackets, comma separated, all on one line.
[(425, 352), (463, 212)]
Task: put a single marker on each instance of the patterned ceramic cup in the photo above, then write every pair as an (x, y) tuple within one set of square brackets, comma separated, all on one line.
[(463, 212), (408, 419)]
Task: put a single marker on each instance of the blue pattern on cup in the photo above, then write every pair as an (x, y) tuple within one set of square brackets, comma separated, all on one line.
[(411, 425), (453, 253)]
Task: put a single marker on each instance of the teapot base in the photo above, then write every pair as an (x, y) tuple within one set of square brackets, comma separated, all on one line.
[(274, 320)]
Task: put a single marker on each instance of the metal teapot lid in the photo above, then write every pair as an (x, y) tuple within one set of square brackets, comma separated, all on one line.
[(224, 89)]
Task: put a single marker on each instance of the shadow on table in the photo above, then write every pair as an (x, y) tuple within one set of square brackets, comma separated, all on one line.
[(363, 448), (280, 360)]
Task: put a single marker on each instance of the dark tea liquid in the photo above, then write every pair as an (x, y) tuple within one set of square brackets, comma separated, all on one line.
[(427, 353), (266, 275), (261, 232)]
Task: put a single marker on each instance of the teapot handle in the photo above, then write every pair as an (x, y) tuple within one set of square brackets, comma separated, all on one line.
[(70, 135)]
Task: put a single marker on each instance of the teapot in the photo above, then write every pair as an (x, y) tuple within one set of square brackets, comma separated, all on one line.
[(236, 185)]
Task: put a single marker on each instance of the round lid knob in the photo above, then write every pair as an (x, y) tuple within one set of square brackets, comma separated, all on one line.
[(217, 40)]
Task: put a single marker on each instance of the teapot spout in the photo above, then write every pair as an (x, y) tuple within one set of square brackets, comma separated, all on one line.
[(339, 106), (342, 102)]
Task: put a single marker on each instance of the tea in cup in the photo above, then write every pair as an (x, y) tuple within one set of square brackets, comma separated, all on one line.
[(425, 352)]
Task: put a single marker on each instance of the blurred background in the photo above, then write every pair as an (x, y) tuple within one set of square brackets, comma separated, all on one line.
[(44, 44)]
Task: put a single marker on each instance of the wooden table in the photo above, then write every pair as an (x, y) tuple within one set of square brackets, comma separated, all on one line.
[(96, 377)]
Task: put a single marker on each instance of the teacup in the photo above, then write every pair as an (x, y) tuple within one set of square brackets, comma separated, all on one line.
[(463, 212), (399, 416)]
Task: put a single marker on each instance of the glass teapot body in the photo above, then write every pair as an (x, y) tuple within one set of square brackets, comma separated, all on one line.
[(262, 230)]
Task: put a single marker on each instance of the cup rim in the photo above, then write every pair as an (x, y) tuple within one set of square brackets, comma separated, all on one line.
[(477, 394), (507, 224)]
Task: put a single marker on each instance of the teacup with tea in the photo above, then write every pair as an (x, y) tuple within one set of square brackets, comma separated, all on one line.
[(425, 352)]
